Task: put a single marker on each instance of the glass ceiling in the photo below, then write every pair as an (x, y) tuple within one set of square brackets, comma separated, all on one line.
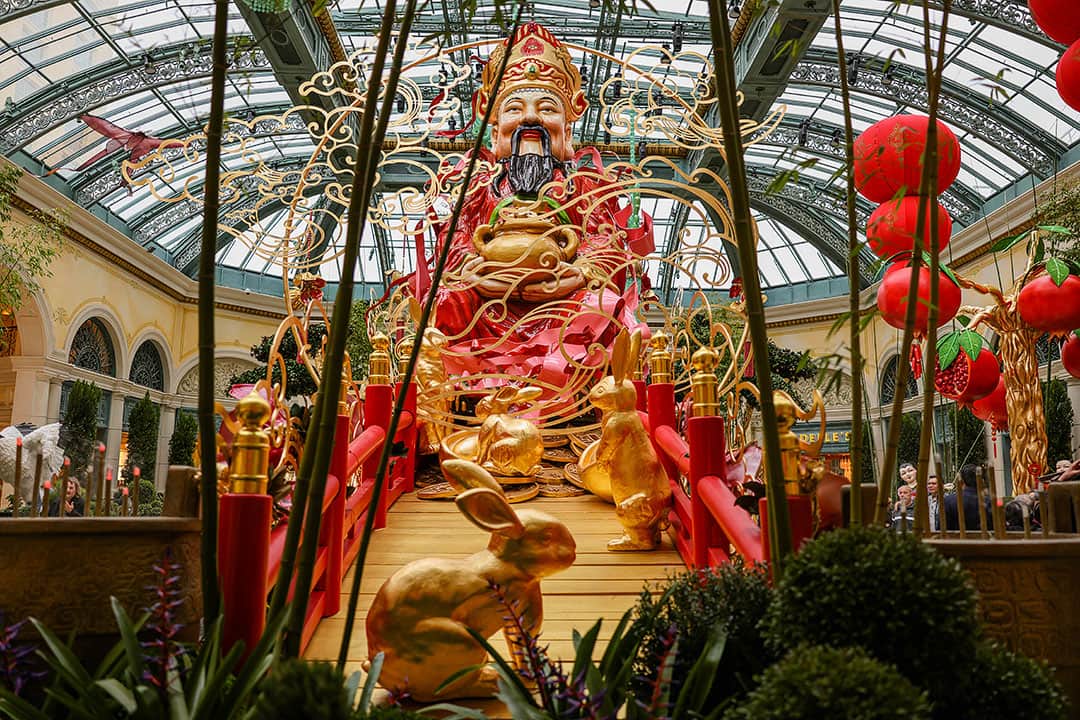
[(144, 66)]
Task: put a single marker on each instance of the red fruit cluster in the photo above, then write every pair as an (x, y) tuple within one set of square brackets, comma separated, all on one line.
[(892, 299), (1070, 355), (1060, 20), (967, 380), (992, 408), (1048, 307)]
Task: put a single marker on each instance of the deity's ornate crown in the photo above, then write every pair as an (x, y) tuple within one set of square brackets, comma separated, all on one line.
[(537, 60)]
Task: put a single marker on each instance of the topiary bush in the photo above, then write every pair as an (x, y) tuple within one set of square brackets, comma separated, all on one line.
[(736, 595), (299, 690), (78, 434), (183, 440), (887, 593), (825, 683), (1003, 685), (142, 437)]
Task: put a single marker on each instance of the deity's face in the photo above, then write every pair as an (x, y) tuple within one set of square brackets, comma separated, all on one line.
[(532, 105)]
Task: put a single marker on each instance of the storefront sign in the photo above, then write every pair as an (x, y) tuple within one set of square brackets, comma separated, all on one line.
[(837, 435)]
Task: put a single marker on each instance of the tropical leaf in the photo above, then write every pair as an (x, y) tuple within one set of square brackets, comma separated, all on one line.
[(1057, 270), (1058, 229), (1006, 243), (948, 347), (971, 343)]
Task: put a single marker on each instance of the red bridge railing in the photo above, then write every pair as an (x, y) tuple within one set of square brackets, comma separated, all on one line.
[(250, 551)]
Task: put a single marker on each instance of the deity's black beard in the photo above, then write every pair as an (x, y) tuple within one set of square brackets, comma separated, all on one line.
[(529, 172)]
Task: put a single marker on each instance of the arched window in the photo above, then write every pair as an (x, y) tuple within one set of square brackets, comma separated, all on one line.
[(888, 382), (93, 349), (1047, 349), (146, 367)]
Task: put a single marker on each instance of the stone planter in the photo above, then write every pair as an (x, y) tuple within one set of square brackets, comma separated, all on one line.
[(1028, 592), (63, 571)]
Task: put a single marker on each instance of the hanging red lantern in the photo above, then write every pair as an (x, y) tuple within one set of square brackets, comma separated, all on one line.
[(1049, 307), (993, 408), (888, 157), (892, 299), (1070, 355), (1057, 18), (1068, 75), (891, 228)]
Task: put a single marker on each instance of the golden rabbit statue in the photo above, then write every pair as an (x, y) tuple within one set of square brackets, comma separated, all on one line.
[(622, 465), (508, 445), (432, 386), (419, 616)]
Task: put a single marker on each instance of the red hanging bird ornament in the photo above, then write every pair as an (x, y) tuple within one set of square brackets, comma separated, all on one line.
[(138, 144)]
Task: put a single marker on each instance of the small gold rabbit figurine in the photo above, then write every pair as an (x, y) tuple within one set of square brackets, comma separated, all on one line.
[(508, 445), (622, 465), (419, 616)]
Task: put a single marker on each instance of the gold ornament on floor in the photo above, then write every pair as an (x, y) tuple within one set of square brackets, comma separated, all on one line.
[(622, 466), (799, 478), (419, 616), (507, 446)]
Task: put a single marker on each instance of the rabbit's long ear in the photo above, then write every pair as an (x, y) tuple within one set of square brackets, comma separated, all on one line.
[(415, 310), (465, 475), (635, 350), (490, 511), (620, 356)]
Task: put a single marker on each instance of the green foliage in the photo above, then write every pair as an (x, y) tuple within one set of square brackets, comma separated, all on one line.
[(78, 434), (1003, 685), (869, 458), (142, 439), (734, 596), (1059, 421), (1061, 208), (968, 441), (357, 342), (300, 381), (26, 248), (908, 448), (887, 593), (203, 683), (185, 436), (824, 683), (300, 690), (390, 712), (150, 500)]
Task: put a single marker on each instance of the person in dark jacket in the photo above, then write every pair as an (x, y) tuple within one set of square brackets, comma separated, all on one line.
[(971, 504), (73, 501)]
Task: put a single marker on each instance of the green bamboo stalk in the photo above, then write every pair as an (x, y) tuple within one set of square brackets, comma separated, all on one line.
[(928, 199), (726, 93), (207, 432), (367, 158), (928, 175), (410, 367), (855, 347)]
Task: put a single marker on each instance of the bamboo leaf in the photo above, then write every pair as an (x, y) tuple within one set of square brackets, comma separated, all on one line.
[(1058, 229), (1057, 270), (1007, 242), (1039, 251)]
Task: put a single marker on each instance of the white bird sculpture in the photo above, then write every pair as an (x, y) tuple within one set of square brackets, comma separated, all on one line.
[(45, 441)]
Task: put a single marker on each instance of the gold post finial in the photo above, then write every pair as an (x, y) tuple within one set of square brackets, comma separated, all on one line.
[(703, 384), (379, 360), (659, 358), (404, 350), (251, 447), (786, 413)]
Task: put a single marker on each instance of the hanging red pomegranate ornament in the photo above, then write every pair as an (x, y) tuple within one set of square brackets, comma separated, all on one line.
[(1070, 354), (1068, 74), (1051, 306), (992, 408), (966, 370), (892, 299), (891, 228), (889, 157), (1057, 18)]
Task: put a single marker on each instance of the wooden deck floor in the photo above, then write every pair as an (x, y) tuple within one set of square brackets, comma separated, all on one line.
[(599, 585)]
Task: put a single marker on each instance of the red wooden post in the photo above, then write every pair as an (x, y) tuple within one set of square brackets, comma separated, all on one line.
[(800, 508), (334, 522), (244, 537), (707, 449), (661, 407), (410, 437), (378, 406)]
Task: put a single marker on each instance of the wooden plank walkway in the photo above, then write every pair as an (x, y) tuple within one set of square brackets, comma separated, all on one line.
[(599, 585)]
